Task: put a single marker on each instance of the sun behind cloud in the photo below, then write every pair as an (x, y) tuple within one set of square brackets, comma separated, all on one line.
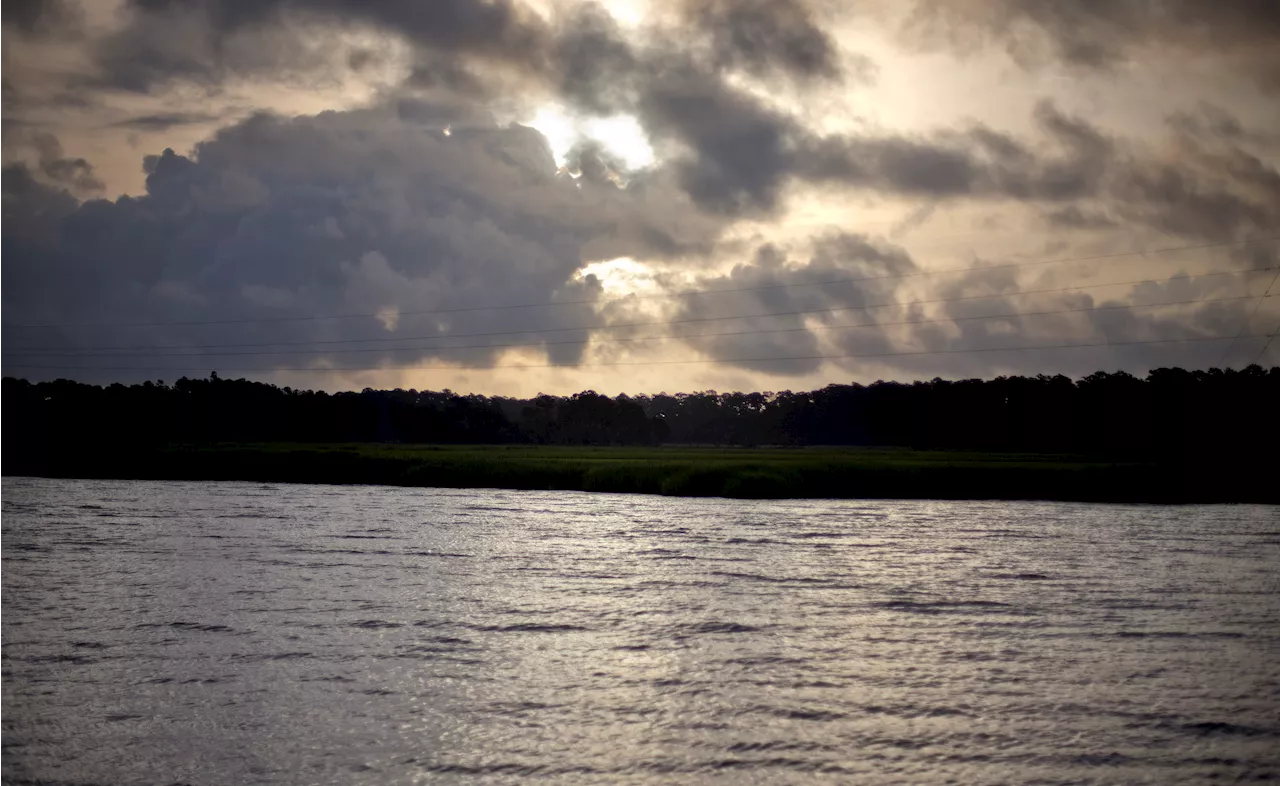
[(619, 135)]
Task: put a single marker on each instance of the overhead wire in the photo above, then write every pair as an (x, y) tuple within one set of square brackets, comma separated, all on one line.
[(129, 351), (649, 323), (633, 297), (1244, 323), (1265, 344), (694, 361), (668, 336)]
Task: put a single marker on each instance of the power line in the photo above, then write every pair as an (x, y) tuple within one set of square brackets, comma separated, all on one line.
[(1265, 344), (1022, 315), (689, 293), (1245, 322), (652, 323), (785, 358)]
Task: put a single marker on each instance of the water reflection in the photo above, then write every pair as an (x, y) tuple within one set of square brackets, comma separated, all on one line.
[(215, 633)]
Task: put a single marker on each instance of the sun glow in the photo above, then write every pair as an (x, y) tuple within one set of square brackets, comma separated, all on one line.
[(628, 13), (621, 276), (620, 135)]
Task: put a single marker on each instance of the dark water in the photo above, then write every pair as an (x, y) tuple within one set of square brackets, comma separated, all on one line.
[(218, 633)]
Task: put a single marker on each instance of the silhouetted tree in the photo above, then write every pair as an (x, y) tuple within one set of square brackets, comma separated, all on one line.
[(1215, 415)]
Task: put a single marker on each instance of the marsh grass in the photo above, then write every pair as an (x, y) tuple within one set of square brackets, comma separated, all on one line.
[(749, 473), (753, 473)]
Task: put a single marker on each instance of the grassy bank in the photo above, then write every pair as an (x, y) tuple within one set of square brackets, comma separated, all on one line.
[(682, 471)]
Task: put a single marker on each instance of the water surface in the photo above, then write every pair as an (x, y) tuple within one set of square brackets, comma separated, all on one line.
[(213, 633)]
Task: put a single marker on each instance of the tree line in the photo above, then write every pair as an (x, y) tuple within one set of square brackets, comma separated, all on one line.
[(1229, 414)]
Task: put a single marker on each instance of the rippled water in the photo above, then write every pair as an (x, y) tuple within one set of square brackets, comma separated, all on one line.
[(214, 633)]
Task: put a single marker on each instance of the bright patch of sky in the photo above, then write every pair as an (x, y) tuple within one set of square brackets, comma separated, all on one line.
[(620, 135), (621, 276)]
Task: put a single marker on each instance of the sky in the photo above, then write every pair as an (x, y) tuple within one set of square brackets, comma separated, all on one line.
[(510, 197)]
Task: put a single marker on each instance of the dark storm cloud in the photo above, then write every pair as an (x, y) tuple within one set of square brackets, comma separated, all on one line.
[(731, 151), (739, 158), (913, 167), (9, 94), (381, 210), (809, 288), (74, 173), (594, 165), (913, 221), (735, 155), (596, 68), (986, 314), (439, 74), (976, 162), (766, 37), (187, 44), (498, 26), (25, 14), (164, 121), (208, 41), (1173, 200), (34, 213), (1073, 217), (1207, 186), (446, 113), (734, 150), (355, 212), (38, 17), (761, 36), (1099, 35), (1212, 183), (34, 206), (1210, 123)]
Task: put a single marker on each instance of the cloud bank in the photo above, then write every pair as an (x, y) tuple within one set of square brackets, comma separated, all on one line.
[(438, 230)]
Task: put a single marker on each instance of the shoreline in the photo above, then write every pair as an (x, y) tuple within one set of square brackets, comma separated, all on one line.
[(679, 471)]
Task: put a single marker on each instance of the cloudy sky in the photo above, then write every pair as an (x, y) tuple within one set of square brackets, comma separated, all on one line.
[(514, 196)]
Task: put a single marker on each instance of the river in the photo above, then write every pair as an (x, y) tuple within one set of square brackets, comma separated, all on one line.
[(214, 633)]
